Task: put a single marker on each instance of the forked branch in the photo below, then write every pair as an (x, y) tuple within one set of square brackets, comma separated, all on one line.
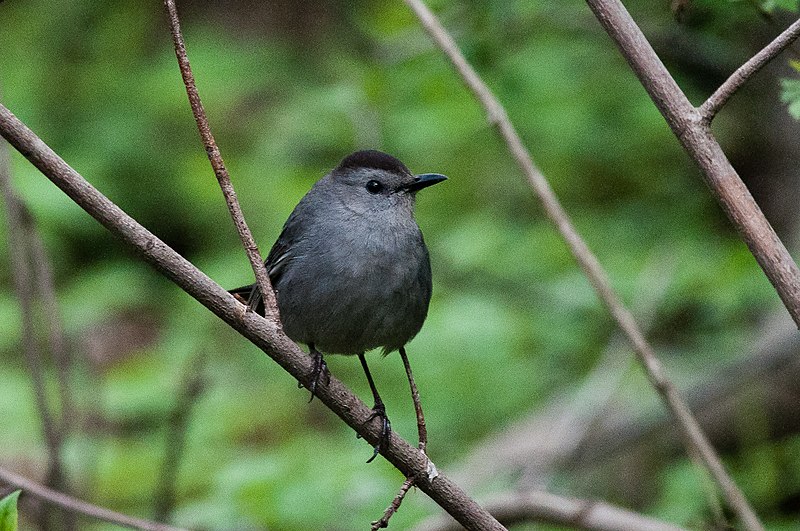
[(697, 140)]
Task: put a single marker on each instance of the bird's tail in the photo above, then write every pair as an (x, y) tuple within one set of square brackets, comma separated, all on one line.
[(250, 295)]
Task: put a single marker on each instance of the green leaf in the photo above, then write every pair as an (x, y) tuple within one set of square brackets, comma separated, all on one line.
[(790, 94), (8, 512), (794, 63)]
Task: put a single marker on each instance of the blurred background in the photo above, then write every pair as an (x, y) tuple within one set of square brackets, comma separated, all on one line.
[(524, 380)]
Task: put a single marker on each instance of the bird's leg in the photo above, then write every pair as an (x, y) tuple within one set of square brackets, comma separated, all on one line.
[(378, 411), (320, 371), (423, 432)]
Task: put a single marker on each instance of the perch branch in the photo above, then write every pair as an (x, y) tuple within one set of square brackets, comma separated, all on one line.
[(263, 333), (720, 97), (79, 506), (690, 428), (214, 156)]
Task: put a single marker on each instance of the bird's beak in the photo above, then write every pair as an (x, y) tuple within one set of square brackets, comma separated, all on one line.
[(425, 180)]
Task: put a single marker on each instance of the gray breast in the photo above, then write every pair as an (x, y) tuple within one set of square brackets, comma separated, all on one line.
[(349, 291)]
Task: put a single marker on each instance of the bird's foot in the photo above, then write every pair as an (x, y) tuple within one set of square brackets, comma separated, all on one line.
[(379, 411), (319, 373)]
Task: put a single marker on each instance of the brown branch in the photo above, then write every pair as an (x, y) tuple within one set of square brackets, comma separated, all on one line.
[(698, 141), (720, 97), (25, 287), (79, 506), (191, 387), (694, 437), (43, 272), (541, 506), (214, 156), (263, 333)]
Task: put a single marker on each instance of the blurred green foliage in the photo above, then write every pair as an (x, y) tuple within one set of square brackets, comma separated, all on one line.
[(513, 323)]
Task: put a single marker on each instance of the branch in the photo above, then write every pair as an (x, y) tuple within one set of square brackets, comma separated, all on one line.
[(43, 272), (383, 521), (214, 156), (191, 387), (697, 140), (694, 437), (79, 506), (24, 285), (720, 97), (765, 380), (540, 506), (263, 333)]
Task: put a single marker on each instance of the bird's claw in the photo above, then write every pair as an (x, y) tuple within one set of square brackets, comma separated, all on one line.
[(318, 373), (379, 411)]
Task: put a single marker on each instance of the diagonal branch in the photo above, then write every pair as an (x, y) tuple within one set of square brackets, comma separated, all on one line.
[(521, 507), (693, 434), (221, 172), (79, 506), (263, 333), (720, 97), (697, 140)]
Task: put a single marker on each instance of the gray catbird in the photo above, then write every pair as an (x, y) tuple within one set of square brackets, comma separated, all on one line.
[(350, 269)]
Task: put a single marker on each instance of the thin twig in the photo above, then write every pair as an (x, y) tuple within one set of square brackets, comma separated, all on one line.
[(398, 499), (79, 506), (221, 172), (690, 428), (191, 387), (422, 445), (261, 332), (720, 97)]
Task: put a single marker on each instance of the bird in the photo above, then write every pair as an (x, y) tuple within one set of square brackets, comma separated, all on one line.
[(350, 269)]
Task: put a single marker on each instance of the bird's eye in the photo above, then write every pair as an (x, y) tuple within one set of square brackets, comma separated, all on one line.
[(374, 187)]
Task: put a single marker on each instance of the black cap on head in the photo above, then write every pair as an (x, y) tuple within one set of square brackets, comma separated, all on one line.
[(371, 158)]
